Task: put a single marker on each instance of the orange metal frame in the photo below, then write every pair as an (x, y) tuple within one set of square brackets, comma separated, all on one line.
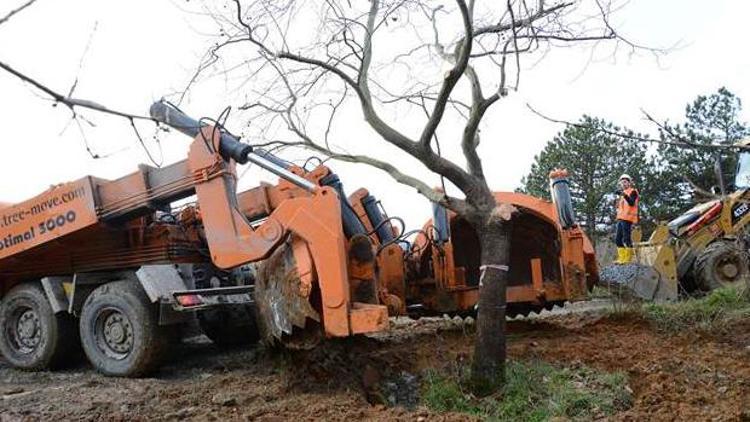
[(452, 291), (390, 259), (388, 271), (316, 219)]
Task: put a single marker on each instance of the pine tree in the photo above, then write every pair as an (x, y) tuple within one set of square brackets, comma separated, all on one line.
[(595, 161), (687, 173)]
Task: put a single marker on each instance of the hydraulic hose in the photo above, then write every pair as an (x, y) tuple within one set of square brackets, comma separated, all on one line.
[(352, 223), (377, 219)]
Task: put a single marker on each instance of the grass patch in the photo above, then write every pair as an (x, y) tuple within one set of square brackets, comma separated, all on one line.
[(534, 391), (718, 308), (599, 292), (624, 309)]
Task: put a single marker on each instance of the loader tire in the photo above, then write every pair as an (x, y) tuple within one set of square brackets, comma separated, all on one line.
[(227, 326), (33, 337), (721, 264), (120, 331)]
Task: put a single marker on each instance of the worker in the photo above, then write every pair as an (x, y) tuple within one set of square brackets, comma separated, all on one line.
[(627, 216)]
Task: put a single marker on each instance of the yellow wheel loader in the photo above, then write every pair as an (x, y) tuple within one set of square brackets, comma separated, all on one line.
[(703, 249)]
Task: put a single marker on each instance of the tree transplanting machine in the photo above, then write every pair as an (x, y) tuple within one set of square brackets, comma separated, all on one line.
[(113, 266)]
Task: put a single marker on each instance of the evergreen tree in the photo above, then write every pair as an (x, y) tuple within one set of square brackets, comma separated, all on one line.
[(710, 120), (670, 178), (595, 161)]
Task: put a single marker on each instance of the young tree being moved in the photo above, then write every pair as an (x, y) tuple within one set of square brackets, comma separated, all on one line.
[(438, 66)]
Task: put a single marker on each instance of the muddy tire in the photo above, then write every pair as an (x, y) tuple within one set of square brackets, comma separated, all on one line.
[(32, 337), (120, 331), (721, 264), (227, 326)]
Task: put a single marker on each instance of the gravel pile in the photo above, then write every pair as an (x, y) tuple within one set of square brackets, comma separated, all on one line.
[(621, 275), (631, 281)]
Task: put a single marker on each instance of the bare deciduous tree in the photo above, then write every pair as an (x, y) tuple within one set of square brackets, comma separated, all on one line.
[(299, 65)]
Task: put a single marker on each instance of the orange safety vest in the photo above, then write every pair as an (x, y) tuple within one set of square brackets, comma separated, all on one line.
[(625, 211)]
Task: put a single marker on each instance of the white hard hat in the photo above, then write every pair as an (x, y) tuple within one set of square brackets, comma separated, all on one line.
[(626, 176)]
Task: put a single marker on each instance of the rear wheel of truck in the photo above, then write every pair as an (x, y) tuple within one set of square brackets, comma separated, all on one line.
[(32, 336), (229, 325), (120, 331), (721, 264)]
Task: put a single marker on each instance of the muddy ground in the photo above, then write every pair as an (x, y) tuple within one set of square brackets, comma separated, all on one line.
[(673, 377)]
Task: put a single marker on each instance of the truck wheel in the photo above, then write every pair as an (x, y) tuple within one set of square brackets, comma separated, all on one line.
[(230, 325), (721, 264), (32, 336), (120, 331)]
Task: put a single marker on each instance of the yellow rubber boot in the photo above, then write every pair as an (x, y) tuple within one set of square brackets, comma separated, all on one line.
[(630, 255), (620, 256)]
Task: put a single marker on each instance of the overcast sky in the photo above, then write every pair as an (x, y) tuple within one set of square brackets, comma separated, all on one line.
[(142, 50)]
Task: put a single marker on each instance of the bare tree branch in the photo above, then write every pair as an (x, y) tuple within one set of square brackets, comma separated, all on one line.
[(677, 140), (71, 103), (433, 195), (343, 49), (15, 11), (470, 138), (420, 151), (502, 26), (396, 174), (362, 78), (83, 57), (452, 77)]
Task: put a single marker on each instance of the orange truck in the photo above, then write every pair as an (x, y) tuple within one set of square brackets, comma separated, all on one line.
[(114, 266)]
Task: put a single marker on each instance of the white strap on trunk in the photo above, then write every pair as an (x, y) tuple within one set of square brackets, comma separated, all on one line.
[(484, 268)]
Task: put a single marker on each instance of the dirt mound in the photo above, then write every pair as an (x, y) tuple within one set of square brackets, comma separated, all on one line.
[(672, 377)]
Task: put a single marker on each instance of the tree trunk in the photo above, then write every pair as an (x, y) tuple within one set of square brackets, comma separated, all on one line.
[(488, 368), (591, 227)]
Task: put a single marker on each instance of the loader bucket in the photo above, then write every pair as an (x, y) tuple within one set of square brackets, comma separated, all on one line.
[(653, 274)]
